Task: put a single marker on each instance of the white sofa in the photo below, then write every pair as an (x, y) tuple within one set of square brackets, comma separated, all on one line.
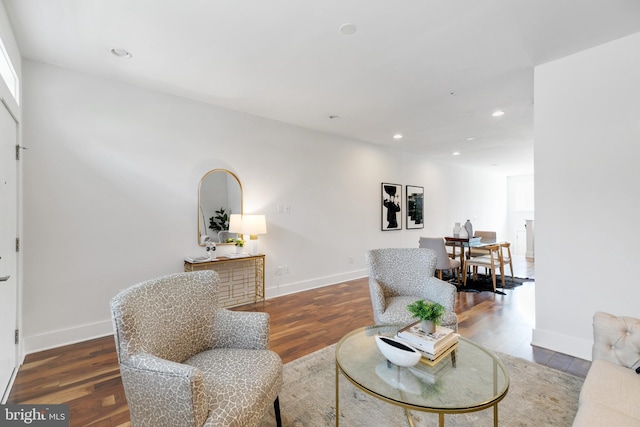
[(610, 395)]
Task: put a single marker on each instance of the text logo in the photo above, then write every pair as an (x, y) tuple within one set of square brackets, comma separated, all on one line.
[(34, 415)]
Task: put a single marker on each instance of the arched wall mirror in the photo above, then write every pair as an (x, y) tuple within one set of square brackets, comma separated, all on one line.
[(219, 196)]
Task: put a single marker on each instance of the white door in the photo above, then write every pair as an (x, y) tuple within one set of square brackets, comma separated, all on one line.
[(8, 256)]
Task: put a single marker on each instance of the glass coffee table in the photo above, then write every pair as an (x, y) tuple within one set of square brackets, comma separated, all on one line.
[(475, 379)]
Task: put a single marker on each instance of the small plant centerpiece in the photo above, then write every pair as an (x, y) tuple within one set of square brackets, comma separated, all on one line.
[(239, 244), (429, 313)]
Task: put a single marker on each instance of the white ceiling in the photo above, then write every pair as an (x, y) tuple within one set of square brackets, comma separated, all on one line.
[(432, 70)]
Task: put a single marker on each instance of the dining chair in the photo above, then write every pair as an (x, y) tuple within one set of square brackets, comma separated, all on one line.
[(444, 262), (485, 237), (491, 262), (504, 258), (505, 253)]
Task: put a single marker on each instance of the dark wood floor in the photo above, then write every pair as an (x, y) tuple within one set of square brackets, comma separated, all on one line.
[(86, 375)]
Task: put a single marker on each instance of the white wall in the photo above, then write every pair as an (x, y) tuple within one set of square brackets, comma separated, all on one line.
[(111, 180), (520, 207), (587, 134)]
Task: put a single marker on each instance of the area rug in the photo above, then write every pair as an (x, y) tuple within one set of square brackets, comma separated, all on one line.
[(483, 283), (538, 396)]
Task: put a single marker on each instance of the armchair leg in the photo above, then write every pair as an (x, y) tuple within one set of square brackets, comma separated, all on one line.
[(276, 408)]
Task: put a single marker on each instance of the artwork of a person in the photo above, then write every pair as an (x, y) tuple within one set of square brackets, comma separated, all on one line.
[(393, 206)]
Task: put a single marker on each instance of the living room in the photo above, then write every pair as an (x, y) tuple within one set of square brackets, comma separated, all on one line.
[(110, 175)]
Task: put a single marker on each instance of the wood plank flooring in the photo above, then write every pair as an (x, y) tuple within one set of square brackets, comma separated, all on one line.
[(86, 375)]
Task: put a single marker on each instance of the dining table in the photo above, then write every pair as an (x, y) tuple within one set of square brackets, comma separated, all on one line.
[(466, 244), (462, 243)]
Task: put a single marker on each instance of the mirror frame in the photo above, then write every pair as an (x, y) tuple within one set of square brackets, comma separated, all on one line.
[(199, 196)]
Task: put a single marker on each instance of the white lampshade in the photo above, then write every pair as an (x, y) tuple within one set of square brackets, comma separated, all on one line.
[(253, 225), (235, 223)]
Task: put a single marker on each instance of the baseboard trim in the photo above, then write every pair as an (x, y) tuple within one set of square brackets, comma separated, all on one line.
[(61, 337), (566, 344), (305, 285)]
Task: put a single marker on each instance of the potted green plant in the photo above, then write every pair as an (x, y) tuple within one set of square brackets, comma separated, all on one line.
[(429, 313), (239, 245)]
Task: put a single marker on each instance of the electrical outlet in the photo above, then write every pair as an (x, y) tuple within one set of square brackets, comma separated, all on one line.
[(287, 208), (282, 270)]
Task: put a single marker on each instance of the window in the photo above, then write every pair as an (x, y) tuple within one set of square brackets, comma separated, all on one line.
[(8, 73)]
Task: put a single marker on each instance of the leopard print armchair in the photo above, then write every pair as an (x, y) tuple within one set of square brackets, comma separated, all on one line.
[(186, 362), (400, 276)]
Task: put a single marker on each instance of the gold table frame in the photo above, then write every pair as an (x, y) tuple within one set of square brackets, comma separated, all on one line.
[(463, 343), (241, 279)]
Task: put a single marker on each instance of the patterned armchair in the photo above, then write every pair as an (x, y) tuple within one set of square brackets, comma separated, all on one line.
[(398, 277), (186, 362)]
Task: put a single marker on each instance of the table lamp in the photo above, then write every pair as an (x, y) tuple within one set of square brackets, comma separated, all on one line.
[(235, 224), (253, 225)]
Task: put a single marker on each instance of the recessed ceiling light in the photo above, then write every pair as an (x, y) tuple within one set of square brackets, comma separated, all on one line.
[(471, 138), (120, 52), (397, 136), (348, 29), (498, 113), (456, 153)]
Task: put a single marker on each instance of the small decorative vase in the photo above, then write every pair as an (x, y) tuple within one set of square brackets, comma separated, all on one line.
[(211, 248), (469, 228), (456, 230), (463, 233), (239, 249), (428, 327)]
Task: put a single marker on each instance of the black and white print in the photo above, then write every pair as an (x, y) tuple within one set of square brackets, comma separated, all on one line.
[(415, 207), (391, 206)]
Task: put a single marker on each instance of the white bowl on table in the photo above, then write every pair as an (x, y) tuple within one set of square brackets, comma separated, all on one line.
[(397, 352)]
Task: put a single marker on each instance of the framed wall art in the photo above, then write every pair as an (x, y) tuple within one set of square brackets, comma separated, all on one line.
[(391, 206), (415, 207)]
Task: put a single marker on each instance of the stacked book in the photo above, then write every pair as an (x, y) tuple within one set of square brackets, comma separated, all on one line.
[(432, 374), (195, 260), (433, 345)]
